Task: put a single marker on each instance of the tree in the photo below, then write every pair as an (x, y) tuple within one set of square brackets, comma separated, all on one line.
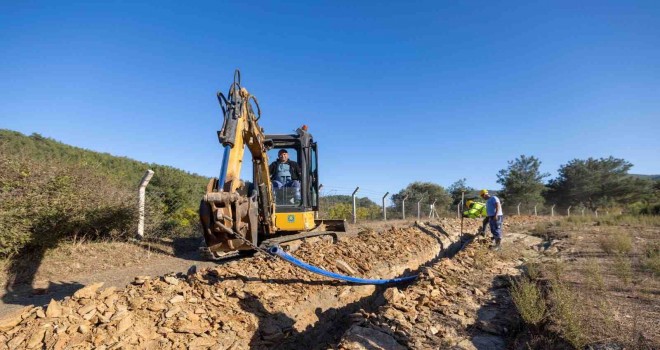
[(426, 191), (522, 181), (341, 207), (595, 183), (456, 190)]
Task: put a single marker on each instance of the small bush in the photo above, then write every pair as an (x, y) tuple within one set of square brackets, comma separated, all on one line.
[(533, 270), (529, 301), (594, 276), (651, 259), (623, 268), (616, 242), (566, 314)]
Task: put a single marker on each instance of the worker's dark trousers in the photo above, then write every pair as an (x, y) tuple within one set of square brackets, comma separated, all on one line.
[(496, 225)]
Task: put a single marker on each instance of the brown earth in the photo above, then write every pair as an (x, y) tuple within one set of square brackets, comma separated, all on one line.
[(264, 303)]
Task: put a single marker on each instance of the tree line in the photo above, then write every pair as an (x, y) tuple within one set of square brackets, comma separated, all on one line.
[(592, 183)]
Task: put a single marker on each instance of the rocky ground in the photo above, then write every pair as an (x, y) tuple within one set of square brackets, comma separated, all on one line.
[(458, 301)]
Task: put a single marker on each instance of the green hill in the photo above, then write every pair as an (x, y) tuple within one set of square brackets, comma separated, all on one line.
[(51, 191)]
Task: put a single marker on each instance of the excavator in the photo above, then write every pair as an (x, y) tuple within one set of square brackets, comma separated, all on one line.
[(246, 216)]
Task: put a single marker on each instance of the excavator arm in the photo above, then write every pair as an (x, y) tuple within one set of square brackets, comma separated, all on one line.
[(231, 212)]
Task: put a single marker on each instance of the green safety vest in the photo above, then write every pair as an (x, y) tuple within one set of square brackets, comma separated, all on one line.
[(477, 210)]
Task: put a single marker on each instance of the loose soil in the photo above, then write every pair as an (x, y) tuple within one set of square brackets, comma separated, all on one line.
[(258, 302)]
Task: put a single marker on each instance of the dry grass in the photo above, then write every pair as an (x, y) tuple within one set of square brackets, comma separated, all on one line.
[(550, 230), (623, 268), (651, 258), (565, 312), (594, 276), (578, 222), (533, 270), (616, 242), (600, 288), (529, 301)]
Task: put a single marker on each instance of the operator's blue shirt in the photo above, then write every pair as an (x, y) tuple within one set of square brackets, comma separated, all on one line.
[(283, 172), (491, 206)]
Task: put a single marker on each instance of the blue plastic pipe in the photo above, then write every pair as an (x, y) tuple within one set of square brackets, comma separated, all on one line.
[(276, 250), (223, 170)]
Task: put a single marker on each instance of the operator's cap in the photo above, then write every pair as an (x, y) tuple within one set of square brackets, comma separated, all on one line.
[(482, 192), (282, 151)]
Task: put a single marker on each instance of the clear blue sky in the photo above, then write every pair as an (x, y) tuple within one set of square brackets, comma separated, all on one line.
[(393, 93)]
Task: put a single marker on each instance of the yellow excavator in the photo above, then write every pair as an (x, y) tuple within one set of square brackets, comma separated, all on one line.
[(245, 216)]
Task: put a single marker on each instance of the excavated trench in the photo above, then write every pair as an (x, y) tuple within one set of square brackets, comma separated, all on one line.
[(249, 303)]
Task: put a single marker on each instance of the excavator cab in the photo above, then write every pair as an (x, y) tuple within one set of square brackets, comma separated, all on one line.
[(296, 201)]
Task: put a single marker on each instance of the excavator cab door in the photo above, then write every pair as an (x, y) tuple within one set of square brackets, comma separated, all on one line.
[(314, 177)]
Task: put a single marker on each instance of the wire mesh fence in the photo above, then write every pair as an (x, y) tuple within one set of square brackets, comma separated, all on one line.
[(359, 205)]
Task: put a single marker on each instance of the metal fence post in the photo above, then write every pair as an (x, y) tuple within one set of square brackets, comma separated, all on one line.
[(596, 211), (354, 208), (518, 209), (403, 207), (582, 211), (552, 210), (535, 214), (141, 190), (431, 208), (385, 209), (419, 208), (568, 211), (318, 199)]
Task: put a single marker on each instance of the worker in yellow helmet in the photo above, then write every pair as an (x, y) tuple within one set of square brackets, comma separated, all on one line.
[(476, 210), (495, 217)]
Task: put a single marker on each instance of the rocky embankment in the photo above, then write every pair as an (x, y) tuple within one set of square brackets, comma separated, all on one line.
[(261, 302)]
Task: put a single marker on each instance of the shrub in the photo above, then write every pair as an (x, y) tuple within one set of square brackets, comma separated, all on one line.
[(566, 314), (529, 301), (616, 242), (651, 259), (42, 203)]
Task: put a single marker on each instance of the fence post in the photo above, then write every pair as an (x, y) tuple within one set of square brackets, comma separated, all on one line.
[(354, 211), (582, 211), (141, 190), (518, 209), (535, 214), (552, 210), (596, 211), (318, 199), (568, 211), (385, 209), (431, 208), (403, 207), (419, 208)]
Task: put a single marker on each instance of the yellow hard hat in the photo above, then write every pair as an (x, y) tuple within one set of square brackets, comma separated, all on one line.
[(482, 192), (469, 202)]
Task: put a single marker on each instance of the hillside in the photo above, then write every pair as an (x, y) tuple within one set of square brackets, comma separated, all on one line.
[(50, 191)]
